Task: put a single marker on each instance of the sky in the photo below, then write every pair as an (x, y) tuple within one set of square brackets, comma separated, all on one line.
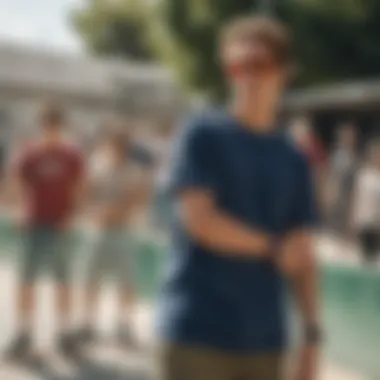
[(41, 23)]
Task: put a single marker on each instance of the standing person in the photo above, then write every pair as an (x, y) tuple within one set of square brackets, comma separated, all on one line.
[(245, 212), (49, 174), (307, 140), (344, 163), (116, 191), (141, 151), (366, 211), (162, 206)]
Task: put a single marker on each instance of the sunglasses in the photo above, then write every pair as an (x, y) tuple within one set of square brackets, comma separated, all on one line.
[(251, 60), (238, 69)]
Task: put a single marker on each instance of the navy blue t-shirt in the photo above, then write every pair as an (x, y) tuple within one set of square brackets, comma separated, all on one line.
[(231, 303)]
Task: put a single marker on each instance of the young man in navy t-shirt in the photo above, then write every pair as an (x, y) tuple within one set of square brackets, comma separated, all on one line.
[(245, 210)]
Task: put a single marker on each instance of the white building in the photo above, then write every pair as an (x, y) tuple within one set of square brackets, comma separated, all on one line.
[(91, 90)]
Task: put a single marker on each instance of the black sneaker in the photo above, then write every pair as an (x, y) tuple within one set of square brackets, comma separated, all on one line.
[(70, 346), (36, 362), (126, 338), (20, 350), (86, 335)]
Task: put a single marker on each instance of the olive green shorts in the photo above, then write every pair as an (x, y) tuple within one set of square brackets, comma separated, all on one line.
[(194, 363), (46, 251)]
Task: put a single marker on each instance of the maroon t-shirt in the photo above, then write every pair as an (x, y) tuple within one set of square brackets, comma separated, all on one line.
[(51, 175)]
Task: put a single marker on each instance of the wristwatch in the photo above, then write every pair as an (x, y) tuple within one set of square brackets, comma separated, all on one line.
[(313, 334)]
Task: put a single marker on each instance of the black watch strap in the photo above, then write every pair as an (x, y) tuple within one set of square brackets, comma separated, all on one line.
[(313, 334)]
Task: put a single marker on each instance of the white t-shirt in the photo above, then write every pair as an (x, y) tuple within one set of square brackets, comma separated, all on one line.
[(111, 183), (343, 161), (367, 198)]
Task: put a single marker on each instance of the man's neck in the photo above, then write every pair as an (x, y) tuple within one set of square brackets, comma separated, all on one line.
[(257, 115), (256, 119), (52, 139)]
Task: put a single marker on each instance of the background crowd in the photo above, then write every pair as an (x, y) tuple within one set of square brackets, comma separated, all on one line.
[(347, 169), (347, 178)]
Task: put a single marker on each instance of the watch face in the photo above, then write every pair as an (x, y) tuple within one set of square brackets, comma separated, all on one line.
[(313, 334)]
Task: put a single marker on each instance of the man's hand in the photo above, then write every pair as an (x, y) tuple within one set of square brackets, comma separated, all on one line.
[(103, 216), (307, 363), (294, 256), (108, 216)]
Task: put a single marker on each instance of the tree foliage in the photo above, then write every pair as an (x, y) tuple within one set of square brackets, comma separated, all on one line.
[(334, 40), (115, 28)]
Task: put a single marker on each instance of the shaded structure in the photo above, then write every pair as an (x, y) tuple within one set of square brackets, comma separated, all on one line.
[(329, 106)]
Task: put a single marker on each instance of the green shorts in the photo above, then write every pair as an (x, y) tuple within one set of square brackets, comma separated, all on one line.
[(162, 210), (46, 251), (194, 363), (113, 257)]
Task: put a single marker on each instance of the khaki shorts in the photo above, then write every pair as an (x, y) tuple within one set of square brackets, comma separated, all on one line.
[(193, 363), (113, 258)]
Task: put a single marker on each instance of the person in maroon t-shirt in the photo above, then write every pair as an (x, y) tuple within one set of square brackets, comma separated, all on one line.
[(49, 175)]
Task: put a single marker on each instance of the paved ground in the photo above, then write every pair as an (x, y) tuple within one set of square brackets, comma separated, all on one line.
[(105, 362)]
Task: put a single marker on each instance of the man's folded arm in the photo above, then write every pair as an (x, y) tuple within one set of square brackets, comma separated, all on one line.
[(195, 183), (218, 231), (304, 282)]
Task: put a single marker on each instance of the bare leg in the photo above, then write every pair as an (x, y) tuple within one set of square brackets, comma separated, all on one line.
[(64, 301), (127, 300), (26, 305), (21, 345), (69, 344), (126, 335), (91, 299)]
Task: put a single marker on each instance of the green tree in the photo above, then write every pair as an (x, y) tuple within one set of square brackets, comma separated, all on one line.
[(190, 29), (334, 40), (115, 28)]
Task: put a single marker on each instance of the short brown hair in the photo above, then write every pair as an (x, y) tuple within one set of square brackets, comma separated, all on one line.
[(272, 33), (52, 114)]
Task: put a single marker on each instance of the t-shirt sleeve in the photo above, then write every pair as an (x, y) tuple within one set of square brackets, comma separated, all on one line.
[(304, 206), (193, 159)]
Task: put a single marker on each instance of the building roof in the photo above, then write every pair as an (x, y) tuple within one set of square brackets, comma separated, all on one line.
[(29, 68), (347, 95)]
